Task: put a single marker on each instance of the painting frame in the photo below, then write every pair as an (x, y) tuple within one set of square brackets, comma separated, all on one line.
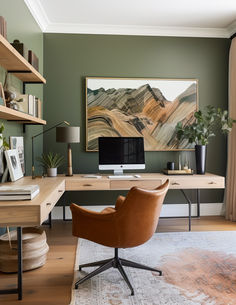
[(13, 163), (17, 142), (127, 91), (2, 96)]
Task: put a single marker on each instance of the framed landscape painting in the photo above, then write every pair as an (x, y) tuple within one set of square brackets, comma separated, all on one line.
[(135, 107)]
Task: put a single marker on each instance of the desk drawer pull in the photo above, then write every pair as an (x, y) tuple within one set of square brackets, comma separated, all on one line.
[(48, 203), (87, 184), (175, 183), (212, 182)]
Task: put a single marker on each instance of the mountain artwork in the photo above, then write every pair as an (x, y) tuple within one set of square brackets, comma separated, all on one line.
[(148, 108)]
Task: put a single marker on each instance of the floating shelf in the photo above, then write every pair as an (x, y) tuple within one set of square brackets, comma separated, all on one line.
[(15, 63), (21, 117)]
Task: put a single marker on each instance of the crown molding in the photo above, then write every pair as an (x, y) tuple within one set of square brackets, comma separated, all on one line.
[(36, 9), (46, 26), (135, 30), (232, 28)]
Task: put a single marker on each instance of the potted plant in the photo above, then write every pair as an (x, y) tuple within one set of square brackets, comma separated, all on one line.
[(3, 142), (50, 162), (202, 129)]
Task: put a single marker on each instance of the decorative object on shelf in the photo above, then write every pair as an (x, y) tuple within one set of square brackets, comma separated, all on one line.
[(10, 95), (178, 172), (20, 47), (33, 60), (13, 163), (170, 165), (50, 162), (2, 96), (26, 103), (202, 129), (18, 144), (35, 136), (68, 135), (34, 249), (138, 107), (3, 27)]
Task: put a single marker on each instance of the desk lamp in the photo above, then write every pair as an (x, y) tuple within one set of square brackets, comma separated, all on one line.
[(68, 135), (64, 122)]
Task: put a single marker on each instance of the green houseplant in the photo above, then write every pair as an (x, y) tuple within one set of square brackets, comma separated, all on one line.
[(205, 125), (50, 162), (3, 142)]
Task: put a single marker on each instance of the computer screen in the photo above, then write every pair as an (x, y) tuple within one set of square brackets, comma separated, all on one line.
[(118, 153)]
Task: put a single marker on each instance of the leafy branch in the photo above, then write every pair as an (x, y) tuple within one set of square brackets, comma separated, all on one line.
[(205, 125)]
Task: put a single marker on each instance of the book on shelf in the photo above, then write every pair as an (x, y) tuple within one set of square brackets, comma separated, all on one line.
[(26, 192), (30, 105), (27, 105)]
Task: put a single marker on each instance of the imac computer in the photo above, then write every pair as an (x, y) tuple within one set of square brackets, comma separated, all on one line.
[(121, 153)]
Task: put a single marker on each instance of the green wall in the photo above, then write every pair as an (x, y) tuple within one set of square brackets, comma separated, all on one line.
[(21, 25), (69, 58)]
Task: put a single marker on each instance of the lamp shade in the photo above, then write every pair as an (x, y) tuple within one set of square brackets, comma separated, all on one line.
[(68, 134)]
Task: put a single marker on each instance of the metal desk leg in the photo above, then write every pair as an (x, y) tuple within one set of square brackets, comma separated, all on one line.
[(189, 209), (17, 290), (198, 203), (19, 250)]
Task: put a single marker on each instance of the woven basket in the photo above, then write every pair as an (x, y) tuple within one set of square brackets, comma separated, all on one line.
[(34, 250)]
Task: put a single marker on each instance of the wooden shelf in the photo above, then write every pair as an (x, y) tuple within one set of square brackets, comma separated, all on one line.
[(14, 115), (12, 60)]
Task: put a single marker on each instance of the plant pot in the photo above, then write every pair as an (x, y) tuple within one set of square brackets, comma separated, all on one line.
[(52, 172), (200, 154)]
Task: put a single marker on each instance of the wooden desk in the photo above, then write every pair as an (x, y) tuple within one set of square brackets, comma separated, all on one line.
[(35, 212)]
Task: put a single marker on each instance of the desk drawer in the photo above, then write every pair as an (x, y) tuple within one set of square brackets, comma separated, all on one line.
[(51, 200), (87, 185), (192, 182), (127, 184)]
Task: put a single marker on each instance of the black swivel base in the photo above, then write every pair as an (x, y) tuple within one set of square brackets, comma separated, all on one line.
[(115, 262)]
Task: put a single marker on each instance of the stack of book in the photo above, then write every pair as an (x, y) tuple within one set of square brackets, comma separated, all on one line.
[(23, 192), (30, 104)]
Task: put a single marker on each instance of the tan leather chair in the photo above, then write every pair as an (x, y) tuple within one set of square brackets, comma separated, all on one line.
[(131, 223)]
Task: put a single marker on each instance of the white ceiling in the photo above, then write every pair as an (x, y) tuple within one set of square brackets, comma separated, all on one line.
[(197, 18)]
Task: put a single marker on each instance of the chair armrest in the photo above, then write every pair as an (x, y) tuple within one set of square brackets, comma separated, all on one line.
[(95, 226), (119, 202)]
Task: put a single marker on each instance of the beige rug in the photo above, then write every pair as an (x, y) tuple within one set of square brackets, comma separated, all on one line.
[(199, 268)]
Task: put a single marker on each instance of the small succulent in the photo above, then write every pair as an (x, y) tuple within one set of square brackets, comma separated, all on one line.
[(51, 160)]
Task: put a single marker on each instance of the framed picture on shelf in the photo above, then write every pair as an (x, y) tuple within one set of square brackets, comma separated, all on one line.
[(13, 163), (18, 144), (2, 96), (140, 107)]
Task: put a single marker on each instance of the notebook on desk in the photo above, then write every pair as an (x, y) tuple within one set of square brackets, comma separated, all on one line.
[(26, 192)]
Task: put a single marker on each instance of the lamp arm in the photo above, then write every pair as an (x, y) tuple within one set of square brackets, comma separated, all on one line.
[(64, 122)]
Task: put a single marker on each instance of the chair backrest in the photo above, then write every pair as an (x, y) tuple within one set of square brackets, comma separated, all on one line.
[(137, 218)]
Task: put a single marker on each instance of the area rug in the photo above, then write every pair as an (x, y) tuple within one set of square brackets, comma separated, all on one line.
[(199, 268)]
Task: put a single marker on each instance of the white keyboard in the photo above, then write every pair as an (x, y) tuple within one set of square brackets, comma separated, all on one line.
[(92, 176), (120, 177)]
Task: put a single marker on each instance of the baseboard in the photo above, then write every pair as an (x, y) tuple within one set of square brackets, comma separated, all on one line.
[(168, 210)]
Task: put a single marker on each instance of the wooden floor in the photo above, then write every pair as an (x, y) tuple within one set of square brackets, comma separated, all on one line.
[(51, 284)]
